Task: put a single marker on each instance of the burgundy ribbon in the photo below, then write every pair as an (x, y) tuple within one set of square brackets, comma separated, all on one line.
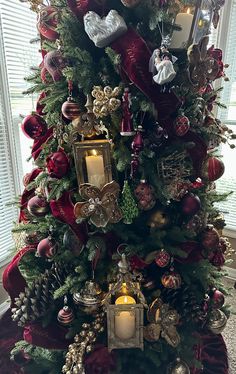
[(37, 146), (63, 210), (27, 194)]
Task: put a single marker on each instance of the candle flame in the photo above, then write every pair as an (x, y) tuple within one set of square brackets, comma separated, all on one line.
[(94, 152), (188, 11)]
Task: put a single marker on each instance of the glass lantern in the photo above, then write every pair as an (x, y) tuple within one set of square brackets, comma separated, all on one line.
[(195, 22), (93, 162), (124, 305)]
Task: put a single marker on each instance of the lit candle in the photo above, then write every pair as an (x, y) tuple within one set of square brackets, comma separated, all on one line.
[(125, 320), (180, 37), (95, 169)]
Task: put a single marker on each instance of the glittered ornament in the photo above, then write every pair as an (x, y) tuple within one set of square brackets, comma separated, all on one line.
[(162, 258), (34, 126), (65, 316), (38, 206), (158, 219), (181, 125), (178, 367), (47, 22), (190, 204), (128, 204), (217, 299), (217, 321), (47, 248), (212, 169), (131, 3), (57, 164), (70, 109), (210, 238), (54, 62), (90, 297), (145, 195), (171, 279)]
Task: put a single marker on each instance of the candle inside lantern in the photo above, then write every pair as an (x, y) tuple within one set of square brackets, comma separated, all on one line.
[(95, 169), (125, 320), (180, 37)]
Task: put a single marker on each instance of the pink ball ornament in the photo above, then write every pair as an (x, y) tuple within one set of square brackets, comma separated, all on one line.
[(217, 299), (47, 22), (34, 126), (47, 248), (190, 204), (212, 169), (57, 164), (38, 206)]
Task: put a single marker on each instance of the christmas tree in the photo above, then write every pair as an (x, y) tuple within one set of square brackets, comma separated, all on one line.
[(120, 253)]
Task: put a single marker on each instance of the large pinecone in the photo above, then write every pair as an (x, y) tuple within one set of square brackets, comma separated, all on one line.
[(186, 304), (37, 300)]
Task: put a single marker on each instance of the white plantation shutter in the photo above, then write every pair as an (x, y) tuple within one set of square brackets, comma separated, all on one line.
[(17, 28), (227, 41)]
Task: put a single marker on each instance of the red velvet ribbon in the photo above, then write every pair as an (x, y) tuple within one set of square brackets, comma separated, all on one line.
[(37, 145), (12, 280), (63, 210), (26, 195)]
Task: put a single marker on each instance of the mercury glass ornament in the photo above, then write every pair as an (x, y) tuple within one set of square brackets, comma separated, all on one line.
[(89, 299), (217, 321), (178, 367)]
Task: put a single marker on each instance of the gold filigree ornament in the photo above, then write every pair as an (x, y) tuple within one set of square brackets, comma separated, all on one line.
[(86, 124), (106, 100), (162, 322)]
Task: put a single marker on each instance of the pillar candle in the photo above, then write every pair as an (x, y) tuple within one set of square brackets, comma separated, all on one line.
[(125, 320), (95, 170), (180, 37)]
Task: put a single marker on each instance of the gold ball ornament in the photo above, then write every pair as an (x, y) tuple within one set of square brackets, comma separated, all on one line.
[(158, 219), (178, 367), (130, 3), (217, 321)]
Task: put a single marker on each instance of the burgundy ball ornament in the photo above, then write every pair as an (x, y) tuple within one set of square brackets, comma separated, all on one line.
[(171, 280), (70, 109), (217, 299), (130, 3), (47, 248), (190, 204), (65, 316), (212, 169), (210, 238), (54, 62), (57, 164), (145, 195), (34, 126), (162, 258), (47, 22), (39, 106), (181, 125), (38, 206)]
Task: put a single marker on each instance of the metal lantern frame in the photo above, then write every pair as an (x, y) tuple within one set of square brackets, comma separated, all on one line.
[(125, 277), (86, 147), (195, 34)]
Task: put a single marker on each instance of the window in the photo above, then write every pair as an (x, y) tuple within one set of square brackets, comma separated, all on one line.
[(227, 40), (17, 28)]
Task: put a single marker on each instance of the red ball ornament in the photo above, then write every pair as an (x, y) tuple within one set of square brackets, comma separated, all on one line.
[(34, 126), (217, 299), (212, 169), (65, 316), (70, 109), (54, 62), (210, 238), (162, 258), (47, 248), (39, 106), (130, 3), (171, 280), (57, 164), (190, 204), (145, 195), (47, 22), (181, 125), (38, 206)]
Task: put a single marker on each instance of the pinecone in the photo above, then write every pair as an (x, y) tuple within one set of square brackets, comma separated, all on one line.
[(37, 299), (186, 304)]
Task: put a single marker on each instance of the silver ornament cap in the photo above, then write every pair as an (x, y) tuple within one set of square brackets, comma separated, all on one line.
[(178, 367)]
